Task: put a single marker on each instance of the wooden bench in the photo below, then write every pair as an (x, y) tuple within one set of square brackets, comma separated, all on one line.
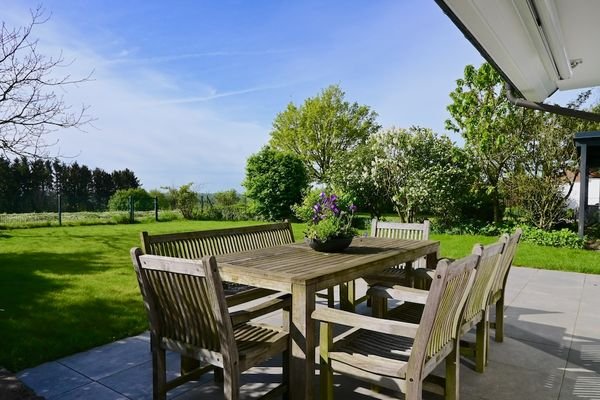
[(197, 244)]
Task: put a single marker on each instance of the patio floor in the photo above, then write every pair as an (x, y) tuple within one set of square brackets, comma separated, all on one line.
[(551, 351)]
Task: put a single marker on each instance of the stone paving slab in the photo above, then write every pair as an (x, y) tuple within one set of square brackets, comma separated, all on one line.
[(92, 390), (53, 378), (551, 351), (104, 361)]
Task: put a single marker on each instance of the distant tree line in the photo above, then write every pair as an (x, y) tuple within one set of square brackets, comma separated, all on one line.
[(34, 185)]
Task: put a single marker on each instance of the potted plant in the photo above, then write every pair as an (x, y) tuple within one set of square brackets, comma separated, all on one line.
[(330, 228)]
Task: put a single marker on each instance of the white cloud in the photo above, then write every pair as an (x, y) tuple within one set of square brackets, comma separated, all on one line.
[(165, 142)]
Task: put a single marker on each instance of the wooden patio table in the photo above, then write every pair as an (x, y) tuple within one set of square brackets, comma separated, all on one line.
[(301, 271)]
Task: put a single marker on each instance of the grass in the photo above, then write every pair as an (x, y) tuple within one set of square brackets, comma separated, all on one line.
[(528, 254), (65, 290)]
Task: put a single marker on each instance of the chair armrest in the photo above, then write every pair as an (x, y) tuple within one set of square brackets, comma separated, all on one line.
[(346, 318), (241, 316), (247, 295), (402, 293)]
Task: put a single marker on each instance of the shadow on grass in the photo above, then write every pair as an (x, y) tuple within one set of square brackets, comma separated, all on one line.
[(47, 313), (76, 327)]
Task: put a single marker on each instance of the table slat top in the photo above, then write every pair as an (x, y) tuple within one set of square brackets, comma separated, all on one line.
[(298, 263)]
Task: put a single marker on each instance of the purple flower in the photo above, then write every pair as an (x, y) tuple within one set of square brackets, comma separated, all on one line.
[(352, 208)]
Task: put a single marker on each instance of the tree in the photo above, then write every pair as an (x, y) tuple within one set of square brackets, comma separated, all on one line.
[(76, 187), (322, 129), (544, 176), (41, 184), (275, 181), (8, 186), (349, 176), (30, 108), (103, 187), (419, 171), (494, 130), (125, 179)]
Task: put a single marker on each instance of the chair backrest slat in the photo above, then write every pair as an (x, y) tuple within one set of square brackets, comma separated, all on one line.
[(506, 260), (197, 244), (182, 299), (484, 278), (399, 230), (439, 322)]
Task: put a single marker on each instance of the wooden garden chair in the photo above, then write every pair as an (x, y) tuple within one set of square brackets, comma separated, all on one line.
[(476, 308), (397, 230), (499, 284), (196, 244), (399, 355), (188, 314), (397, 275)]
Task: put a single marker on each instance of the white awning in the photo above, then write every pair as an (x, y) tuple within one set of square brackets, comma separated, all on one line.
[(538, 45)]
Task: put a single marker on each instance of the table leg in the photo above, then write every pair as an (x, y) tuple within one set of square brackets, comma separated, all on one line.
[(432, 259), (302, 363), (348, 296)]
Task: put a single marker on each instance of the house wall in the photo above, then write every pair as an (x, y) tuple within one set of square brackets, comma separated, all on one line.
[(593, 193)]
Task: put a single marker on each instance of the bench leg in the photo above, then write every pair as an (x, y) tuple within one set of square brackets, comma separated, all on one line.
[(481, 343), (500, 319)]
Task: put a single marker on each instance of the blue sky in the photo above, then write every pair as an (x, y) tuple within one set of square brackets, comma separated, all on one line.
[(185, 91)]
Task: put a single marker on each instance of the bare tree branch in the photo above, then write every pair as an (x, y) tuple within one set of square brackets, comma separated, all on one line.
[(30, 109)]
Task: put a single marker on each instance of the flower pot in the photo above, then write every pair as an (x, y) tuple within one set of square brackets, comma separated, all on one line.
[(335, 245)]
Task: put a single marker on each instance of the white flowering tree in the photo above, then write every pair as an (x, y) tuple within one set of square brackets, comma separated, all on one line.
[(419, 171), (348, 176)]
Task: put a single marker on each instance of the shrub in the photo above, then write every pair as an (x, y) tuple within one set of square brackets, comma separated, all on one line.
[(561, 238), (142, 201), (165, 199), (186, 200), (226, 198), (274, 182)]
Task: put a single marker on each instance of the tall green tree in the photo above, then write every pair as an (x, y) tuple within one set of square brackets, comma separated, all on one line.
[(76, 188), (8, 186), (495, 131), (275, 181), (322, 129), (125, 179), (41, 183), (103, 187)]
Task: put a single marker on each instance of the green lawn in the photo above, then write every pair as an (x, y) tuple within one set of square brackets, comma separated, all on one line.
[(528, 255), (64, 290)]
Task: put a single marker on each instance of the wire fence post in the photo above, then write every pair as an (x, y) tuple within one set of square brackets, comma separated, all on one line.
[(156, 208), (131, 210), (59, 201)]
